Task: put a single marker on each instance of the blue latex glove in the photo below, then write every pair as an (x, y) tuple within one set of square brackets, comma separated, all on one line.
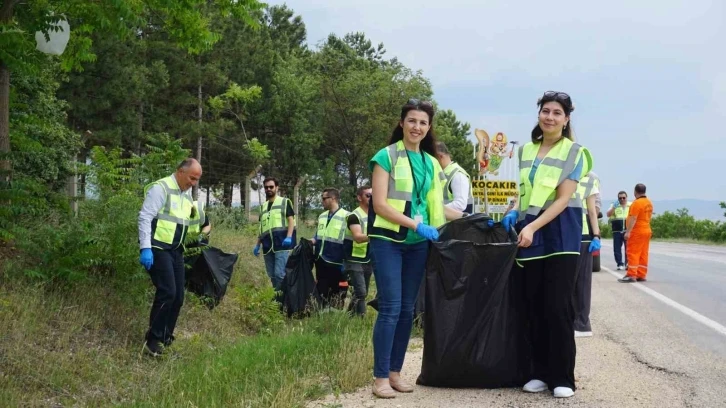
[(427, 231), (287, 242), (614, 204), (256, 251), (510, 219), (594, 245), (146, 258)]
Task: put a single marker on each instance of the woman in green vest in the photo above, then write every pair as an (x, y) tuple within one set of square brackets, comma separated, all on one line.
[(549, 222), (407, 208)]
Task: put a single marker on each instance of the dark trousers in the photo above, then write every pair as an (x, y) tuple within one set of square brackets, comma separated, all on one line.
[(549, 284), (329, 277), (583, 289), (167, 274), (360, 278), (618, 244)]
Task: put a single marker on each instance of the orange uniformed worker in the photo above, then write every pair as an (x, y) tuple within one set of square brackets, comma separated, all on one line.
[(637, 234)]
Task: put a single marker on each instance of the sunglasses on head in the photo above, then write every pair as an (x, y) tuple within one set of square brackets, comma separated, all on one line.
[(558, 96), (418, 102)]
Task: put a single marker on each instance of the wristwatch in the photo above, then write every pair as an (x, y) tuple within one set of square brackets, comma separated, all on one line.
[(596, 236)]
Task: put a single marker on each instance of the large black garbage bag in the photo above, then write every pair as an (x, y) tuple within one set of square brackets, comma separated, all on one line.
[(209, 274), (474, 326), (298, 287)]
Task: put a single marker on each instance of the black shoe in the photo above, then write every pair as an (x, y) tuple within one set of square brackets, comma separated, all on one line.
[(168, 341), (627, 279), (641, 279), (153, 348)]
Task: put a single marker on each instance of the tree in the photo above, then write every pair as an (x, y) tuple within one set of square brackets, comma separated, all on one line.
[(183, 22), (455, 135), (361, 96)]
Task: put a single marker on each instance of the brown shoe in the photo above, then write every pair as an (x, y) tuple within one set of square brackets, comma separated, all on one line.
[(384, 391), (401, 386)]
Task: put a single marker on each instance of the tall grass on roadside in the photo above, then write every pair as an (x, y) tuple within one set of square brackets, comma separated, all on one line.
[(80, 344)]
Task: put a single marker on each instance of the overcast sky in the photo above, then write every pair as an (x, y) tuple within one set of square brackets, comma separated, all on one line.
[(647, 77)]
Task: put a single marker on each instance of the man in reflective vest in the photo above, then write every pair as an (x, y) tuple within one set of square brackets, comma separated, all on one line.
[(277, 232), (163, 225), (616, 215), (329, 244), (457, 190), (588, 190), (358, 265)]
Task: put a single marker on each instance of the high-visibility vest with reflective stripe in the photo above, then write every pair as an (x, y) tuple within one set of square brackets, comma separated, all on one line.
[(585, 189), (619, 216), (196, 220), (400, 194), (354, 251), (450, 171), (273, 226), (169, 227), (563, 234), (330, 243)]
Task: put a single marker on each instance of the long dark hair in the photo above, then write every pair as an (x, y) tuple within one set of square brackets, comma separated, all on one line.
[(566, 102), (428, 143)]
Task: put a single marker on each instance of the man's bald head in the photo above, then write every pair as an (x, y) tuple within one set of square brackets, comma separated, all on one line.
[(188, 173)]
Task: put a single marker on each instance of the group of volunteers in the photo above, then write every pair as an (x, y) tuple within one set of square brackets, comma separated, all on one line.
[(415, 188)]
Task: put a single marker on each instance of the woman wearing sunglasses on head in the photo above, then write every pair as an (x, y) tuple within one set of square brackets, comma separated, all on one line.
[(407, 208), (549, 222)]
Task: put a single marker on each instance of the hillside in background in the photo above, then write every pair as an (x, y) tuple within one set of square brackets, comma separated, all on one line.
[(700, 209)]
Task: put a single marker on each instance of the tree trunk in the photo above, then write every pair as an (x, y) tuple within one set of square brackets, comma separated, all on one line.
[(5, 165), (195, 191), (6, 15), (227, 197)]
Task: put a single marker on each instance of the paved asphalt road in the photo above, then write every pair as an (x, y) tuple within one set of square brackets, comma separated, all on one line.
[(691, 275)]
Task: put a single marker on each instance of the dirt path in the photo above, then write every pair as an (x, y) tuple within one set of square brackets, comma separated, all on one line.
[(637, 358)]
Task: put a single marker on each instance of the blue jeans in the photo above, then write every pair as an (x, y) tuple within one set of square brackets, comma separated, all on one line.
[(399, 271), (275, 264), (618, 243)]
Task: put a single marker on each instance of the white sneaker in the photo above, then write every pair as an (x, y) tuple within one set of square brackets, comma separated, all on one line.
[(620, 268), (583, 333), (535, 386), (563, 392)]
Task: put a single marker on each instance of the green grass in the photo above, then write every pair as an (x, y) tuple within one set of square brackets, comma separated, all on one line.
[(81, 345)]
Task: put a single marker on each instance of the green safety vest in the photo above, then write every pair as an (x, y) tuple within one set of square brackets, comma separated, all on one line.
[(331, 234), (357, 252), (273, 226), (449, 172), (588, 186), (400, 195), (619, 215), (169, 227), (562, 235)]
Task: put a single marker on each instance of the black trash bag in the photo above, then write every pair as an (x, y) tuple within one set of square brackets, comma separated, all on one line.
[(475, 332), (298, 287), (209, 274)]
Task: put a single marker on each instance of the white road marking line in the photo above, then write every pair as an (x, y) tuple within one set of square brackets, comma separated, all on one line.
[(672, 303)]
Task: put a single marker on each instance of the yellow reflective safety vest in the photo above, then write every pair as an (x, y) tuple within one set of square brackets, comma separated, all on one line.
[(196, 220), (588, 186), (169, 227), (400, 196), (273, 226), (618, 219), (450, 171), (354, 251), (330, 241), (563, 234)]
